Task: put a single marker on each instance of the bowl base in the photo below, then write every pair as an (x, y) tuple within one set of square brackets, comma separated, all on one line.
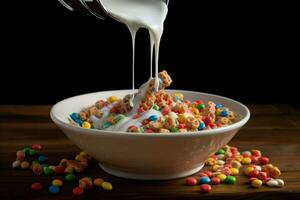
[(132, 175)]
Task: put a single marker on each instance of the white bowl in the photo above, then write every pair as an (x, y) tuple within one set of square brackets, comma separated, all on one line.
[(154, 156)]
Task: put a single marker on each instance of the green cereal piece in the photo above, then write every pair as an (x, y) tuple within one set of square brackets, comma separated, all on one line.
[(33, 152), (174, 129), (220, 151), (26, 150), (70, 177)]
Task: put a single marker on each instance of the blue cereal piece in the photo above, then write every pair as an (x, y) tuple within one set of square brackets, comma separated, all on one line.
[(224, 113), (75, 117), (106, 125), (218, 105), (153, 118), (42, 158), (53, 189), (201, 126), (204, 180)]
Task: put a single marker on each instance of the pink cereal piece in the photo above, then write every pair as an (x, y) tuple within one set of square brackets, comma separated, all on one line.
[(36, 147)]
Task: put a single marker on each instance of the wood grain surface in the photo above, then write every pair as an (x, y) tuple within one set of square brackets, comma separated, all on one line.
[(274, 129)]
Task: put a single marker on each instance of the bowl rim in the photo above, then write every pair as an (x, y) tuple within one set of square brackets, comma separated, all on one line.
[(219, 130)]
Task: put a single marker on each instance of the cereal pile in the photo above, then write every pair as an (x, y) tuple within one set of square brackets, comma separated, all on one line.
[(226, 164), (150, 111), (67, 168)]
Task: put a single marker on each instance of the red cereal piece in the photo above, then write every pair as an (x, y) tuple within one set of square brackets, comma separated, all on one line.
[(254, 159), (262, 176), (264, 160), (253, 174), (20, 155), (36, 186), (215, 181), (209, 173), (191, 181), (205, 188), (207, 120), (145, 122), (199, 102), (180, 126), (166, 111), (77, 191), (36, 147), (59, 169), (256, 153)]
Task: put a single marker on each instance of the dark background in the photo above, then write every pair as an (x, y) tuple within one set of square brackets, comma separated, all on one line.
[(243, 51)]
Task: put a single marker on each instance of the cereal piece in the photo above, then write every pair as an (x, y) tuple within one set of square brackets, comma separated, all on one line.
[(57, 182), (163, 130), (70, 177), (264, 160), (53, 189), (37, 147), (256, 183), (222, 177), (210, 161), (86, 183), (48, 171), (204, 180), (205, 188), (21, 155), (246, 160), (234, 171), (215, 181), (272, 171), (101, 104), (230, 180), (36, 186), (86, 125), (191, 181), (107, 186), (169, 122), (78, 191), (59, 169), (16, 164), (72, 165), (166, 79), (37, 168), (24, 165), (98, 182), (42, 158), (113, 99), (192, 123)]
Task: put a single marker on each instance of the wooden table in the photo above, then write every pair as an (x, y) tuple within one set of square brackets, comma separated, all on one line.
[(274, 129)]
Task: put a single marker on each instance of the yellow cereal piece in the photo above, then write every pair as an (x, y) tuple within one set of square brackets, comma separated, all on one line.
[(86, 125), (179, 96), (234, 171), (238, 158), (57, 182), (256, 183), (195, 111), (218, 111), (181, 118), (222, 177), (98, 182), (246, 161), (107, 186), (113, 99), (24, 165), (216, 167), (210, 161), (248, 170)]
